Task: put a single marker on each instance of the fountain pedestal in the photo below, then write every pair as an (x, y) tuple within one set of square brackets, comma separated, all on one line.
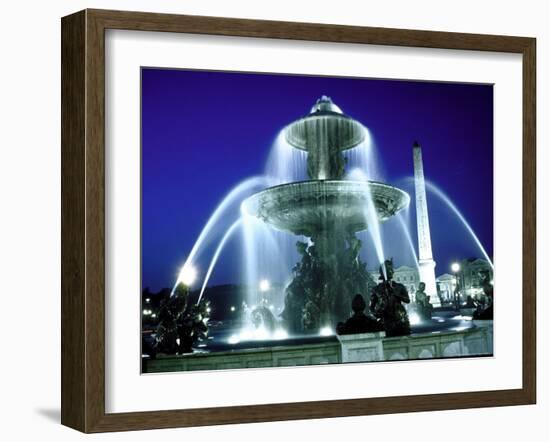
[(362, 347)]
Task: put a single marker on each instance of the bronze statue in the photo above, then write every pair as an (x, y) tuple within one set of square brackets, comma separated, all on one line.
[(422, 301), (328, 275), (181, 325), (359, 321), (262, 317), (310, 317), (484, 310), (387, 300)]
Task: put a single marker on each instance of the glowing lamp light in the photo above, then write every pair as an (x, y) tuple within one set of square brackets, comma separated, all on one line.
[(264, 285), (325, 331), (233, 308), (188, 274), (455, 267)]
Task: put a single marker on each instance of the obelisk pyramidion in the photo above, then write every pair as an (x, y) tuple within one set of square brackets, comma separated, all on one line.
[(426, 264)]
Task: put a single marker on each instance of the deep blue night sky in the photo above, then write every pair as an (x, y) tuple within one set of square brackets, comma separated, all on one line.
[(204, 132)]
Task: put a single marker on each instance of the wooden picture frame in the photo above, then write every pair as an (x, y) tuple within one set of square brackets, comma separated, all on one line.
[(83, 220)]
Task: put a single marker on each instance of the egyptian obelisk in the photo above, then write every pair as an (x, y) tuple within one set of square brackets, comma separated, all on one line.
[(426, 264)]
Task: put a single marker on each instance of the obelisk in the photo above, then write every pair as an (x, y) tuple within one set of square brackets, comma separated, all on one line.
[(426, 264)]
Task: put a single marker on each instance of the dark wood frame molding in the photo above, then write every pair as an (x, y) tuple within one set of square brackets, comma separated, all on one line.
[(83, 217)]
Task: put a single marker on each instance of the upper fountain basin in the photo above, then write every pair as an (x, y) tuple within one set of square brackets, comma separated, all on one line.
[(308, 207), (335, 130)]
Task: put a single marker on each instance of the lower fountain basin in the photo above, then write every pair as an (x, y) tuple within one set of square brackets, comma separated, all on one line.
[(308, 207)]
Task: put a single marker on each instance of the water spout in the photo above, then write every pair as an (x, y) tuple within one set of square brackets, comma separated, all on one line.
[(285, 164), (371, 215), (443, 197), (365, 157), (403, 218), (217, 255), (236, 195), (268, 254)]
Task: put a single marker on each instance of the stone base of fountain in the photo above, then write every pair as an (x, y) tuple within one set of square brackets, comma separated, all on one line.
[(364, 347)]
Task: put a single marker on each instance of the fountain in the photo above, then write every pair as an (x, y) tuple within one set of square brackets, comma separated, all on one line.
[(329, 209), (321, 189)]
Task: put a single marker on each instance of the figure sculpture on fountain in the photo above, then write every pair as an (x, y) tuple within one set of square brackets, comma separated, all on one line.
[(359, 321), (387, 300), (181, 324), (322, 289), (484, 309), (422, 301)]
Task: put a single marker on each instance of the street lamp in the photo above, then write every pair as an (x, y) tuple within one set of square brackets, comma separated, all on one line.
[(455, 268), (188, 274), (264, 285)]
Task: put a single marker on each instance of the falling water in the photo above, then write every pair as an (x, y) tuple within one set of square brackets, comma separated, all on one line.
[(214, 260), (371, 215), (404, 223), (285, 164), (261, 250), (268, 255), (435, 190), (365, 157), (443, 197), (249, 252), (363, 165), (236, 195)]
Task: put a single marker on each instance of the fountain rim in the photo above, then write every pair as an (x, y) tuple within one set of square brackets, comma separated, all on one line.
[(379, 184)]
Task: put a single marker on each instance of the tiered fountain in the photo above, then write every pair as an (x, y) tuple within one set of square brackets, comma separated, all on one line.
[(329, 209)]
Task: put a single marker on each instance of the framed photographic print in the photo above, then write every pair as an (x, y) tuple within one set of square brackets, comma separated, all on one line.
[(269, 220)]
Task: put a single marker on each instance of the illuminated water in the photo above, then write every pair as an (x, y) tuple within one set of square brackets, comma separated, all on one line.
[(214, 260), (211, 229), (403, 219), (285, 164), (449, 203), (365, 157), (268, 255), (436, 191), (371, 216)]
